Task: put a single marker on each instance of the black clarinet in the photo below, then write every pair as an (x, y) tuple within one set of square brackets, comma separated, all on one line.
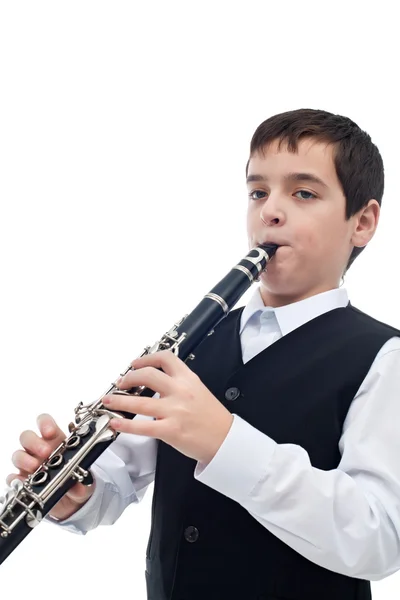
[(25, 503)]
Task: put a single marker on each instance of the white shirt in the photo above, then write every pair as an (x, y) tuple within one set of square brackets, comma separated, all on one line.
[(346, 519)]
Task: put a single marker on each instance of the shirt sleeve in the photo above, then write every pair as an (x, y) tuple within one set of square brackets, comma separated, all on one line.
[(346, 519), (122, 474)]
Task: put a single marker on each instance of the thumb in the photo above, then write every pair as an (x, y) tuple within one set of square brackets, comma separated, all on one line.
[(79, 493)]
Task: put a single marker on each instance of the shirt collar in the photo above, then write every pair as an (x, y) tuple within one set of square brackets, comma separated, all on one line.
[(294, 315)]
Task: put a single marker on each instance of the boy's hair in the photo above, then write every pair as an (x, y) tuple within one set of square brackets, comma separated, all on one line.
[(358, 163)]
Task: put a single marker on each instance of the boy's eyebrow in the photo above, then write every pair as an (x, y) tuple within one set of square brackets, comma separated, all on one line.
[(290, 177)]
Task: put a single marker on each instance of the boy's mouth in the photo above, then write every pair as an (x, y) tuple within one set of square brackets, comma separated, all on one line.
[(273, 241)]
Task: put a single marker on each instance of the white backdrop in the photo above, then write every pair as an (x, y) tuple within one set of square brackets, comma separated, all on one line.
[(124, 134)]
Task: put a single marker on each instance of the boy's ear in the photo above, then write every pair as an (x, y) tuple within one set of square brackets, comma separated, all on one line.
[(366, 222)]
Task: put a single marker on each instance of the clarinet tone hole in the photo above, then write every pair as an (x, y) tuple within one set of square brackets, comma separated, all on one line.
[(55, 461), (39, 478), (73, 441)]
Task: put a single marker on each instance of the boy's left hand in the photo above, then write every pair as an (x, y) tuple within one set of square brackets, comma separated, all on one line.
[(189, 417)]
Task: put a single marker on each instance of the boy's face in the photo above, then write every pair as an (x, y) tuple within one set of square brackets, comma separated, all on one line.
[(306, 217)]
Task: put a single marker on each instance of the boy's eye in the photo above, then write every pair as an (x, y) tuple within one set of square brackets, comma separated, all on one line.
[(255, 192), (309, 197), (310, 194)]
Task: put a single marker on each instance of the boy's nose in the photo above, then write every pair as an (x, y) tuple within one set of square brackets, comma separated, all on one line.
[(269, 223), (271, 213)]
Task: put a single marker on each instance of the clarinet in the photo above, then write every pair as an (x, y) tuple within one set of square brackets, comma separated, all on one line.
[(25, 503)]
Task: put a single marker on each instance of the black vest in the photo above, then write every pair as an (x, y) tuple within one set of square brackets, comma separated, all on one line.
[(205, 546)]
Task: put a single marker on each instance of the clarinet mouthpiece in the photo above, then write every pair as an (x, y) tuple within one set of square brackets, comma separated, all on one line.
[(270, 249)]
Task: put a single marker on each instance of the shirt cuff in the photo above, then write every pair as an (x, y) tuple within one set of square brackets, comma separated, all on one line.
[(240, 463)]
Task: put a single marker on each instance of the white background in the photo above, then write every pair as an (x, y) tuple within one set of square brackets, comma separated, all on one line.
[(124, 134)]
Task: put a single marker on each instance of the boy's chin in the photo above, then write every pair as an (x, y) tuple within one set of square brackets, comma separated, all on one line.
[(277, 282), (274, 283)]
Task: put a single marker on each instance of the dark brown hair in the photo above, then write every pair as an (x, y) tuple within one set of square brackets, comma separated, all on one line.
[(358, 163)]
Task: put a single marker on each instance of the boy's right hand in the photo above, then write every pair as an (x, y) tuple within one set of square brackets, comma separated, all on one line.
[(36, 451)]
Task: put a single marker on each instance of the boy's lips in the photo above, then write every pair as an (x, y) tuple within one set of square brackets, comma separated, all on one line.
[(279, 244), (273, 240)]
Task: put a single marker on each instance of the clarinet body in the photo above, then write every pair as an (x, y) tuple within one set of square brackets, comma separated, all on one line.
[(25, 503)]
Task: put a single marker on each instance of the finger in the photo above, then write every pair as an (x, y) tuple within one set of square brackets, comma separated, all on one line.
[(148, 428), (24, 461), (149, 377), (138, 405), (35, 445), (50, 430), (79, 492), (166, 360)]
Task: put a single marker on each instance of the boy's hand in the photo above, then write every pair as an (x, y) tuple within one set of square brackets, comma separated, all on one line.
[(188, 416), (36, 451)]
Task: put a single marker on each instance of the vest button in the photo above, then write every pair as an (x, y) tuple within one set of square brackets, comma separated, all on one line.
[(232, 393), (191, 534)]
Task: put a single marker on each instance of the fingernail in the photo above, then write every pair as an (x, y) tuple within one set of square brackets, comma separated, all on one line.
[(106, 400)]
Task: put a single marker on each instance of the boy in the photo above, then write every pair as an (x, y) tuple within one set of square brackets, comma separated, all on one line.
[(277, 472)]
